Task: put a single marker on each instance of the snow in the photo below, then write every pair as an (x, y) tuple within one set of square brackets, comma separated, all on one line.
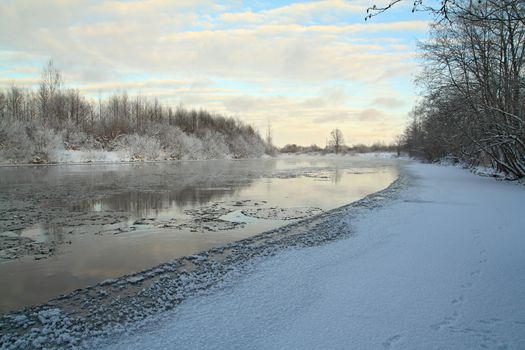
[(441, 267), (135, 279), (378, 155), (238, 217), (85, 156)]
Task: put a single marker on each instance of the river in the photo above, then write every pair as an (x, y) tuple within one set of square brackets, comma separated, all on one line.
[(64, 227)]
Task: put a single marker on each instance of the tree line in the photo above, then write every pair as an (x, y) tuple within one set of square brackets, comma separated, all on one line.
[(35, 122), (335, 143), (473, 80)]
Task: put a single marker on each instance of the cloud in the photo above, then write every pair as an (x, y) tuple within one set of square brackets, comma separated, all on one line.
[(20, 82), (136, 85), (288, 52), (305, 65), (159, 36), (202, 83), (370, 114), (148, 7), (346, 115), (388, 102), (334, 117), (328, 97), (304, 13), (246, 104), (314, 102)]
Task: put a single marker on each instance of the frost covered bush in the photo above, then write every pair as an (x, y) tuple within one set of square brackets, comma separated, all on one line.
[(26, 142), (46, 142), (75, 139), (246, 147), (22, 142), (193, 147), (64, 126), (15, 146), (89, 156), (179, 145), (139, 147), (187, 147), (215, 145), (207, 144), (257, 147)]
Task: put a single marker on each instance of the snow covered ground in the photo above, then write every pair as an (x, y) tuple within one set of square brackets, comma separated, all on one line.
[(440, 267)]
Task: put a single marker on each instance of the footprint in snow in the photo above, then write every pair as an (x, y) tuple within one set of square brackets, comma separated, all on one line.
[(458, 300), (490, 321), (467, 285), (447, 322), (387, 344), (474, 273)]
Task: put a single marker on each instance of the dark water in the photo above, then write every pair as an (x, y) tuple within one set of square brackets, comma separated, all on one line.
[(92, 214)]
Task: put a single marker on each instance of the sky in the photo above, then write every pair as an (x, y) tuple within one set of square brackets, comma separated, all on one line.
[(304, 67)]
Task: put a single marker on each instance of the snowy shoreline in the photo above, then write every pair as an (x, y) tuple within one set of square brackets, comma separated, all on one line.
[(115, 306), (440, 266), (113, 158), (433, 261)]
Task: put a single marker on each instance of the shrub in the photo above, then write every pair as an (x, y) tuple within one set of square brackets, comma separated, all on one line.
[(27, 142), (139, 147)]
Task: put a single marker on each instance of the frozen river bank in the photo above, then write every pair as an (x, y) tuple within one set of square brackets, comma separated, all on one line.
[(433, 261), (439, 265)]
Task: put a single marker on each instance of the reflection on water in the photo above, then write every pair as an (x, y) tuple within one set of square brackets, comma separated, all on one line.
[(36, 233), (145, 204), (76, 207)]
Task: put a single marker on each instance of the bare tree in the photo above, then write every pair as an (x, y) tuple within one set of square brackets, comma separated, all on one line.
[(269, 135), (15, 102), (336, 140), (3, 105), (452, 9), (49, 87), (474, 81), (39, 120), (398, 143), (270, 149)]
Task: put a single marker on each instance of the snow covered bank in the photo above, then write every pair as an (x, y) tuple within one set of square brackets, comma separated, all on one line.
[(442, 267), (91, 156), (435, 265), (61, 156)]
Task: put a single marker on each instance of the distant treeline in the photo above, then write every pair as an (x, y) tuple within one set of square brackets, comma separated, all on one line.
[(473, 108), (359, 148), (35, 123)]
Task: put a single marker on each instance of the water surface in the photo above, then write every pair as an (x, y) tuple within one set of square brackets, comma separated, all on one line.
[(104, 221)]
